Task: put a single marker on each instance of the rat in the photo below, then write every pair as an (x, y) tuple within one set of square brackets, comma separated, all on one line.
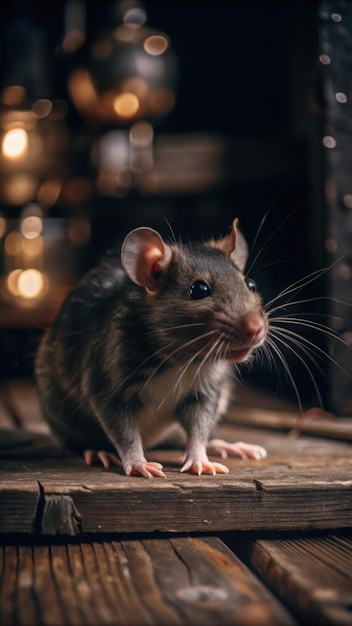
[(144, 346)]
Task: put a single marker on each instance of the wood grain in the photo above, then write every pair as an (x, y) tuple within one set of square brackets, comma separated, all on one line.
[(312, 575), (133, 583)]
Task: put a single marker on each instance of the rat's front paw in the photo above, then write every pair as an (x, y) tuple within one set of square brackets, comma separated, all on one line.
[(202, 467), (241, 449), (147, 469)]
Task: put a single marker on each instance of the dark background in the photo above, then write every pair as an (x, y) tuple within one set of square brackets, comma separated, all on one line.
[(249, 76)]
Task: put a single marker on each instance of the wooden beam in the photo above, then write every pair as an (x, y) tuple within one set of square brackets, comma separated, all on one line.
[(302, 484), (308, 423), (312, 575)]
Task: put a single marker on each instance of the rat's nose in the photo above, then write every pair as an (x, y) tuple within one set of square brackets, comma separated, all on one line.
[(252, 327)]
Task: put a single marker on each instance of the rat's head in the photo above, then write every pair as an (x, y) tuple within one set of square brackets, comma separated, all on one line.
[(202, 306)]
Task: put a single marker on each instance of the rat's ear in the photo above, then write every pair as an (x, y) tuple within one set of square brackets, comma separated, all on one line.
[(145, 257), (235, 246)]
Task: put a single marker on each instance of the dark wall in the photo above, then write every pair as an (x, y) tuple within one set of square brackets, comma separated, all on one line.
[(249, 76)]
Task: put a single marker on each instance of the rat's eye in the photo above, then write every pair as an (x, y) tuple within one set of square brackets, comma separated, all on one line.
[(199, 290), (252, 286)]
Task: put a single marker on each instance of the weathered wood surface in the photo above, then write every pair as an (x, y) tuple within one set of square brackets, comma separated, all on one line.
[(303, 484), (155, 582), (312, 575)]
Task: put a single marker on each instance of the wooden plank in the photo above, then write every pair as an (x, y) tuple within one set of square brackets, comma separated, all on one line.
[(150, 583), (312, 575), (19, 505), (303, 484), (311, 423)]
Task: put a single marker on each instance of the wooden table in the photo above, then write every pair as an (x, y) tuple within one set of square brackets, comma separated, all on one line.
[(268, 543)]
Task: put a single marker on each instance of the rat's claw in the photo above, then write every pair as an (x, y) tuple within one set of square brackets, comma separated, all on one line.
[(241, 449), (104, 457), (88, 457), (147, 469), (204, 467)]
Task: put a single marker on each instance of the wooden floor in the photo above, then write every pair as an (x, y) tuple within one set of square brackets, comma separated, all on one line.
[(268, 543)]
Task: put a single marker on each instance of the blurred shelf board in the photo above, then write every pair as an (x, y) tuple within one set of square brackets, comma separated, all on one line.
[(197, 162)]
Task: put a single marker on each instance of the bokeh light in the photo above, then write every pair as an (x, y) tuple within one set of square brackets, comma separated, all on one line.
[(15, 143), (30, 283), (126, 105)]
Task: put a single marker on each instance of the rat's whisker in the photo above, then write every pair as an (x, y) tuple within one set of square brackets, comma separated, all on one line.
[(275, 349), (304, 341), (173, 237), (303, 282), (307, 368), (272, 234), (322, 328), (169, 328), (205, 359), (181, 372), (171, 354), (149, 358), (305, 345), (285, 305)]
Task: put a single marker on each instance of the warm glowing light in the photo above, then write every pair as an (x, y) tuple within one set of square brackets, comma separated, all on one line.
[(82, 89), (13, 94), (15, 143), (136, 86), (156, 44), (19, 189), (31, 227), (2, 226), (141, 134), (125, 32), (12, 282), (49, 192), (42, 107), (33, 247), (126, 104), (30, 283), (13, 243)]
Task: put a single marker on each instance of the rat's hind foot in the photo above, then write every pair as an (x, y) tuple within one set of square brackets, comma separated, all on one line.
[(202, 467), (106, 458), (243, 450), (147, 469)]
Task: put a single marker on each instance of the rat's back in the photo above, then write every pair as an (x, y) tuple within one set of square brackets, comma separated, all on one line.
[(63, 353)]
